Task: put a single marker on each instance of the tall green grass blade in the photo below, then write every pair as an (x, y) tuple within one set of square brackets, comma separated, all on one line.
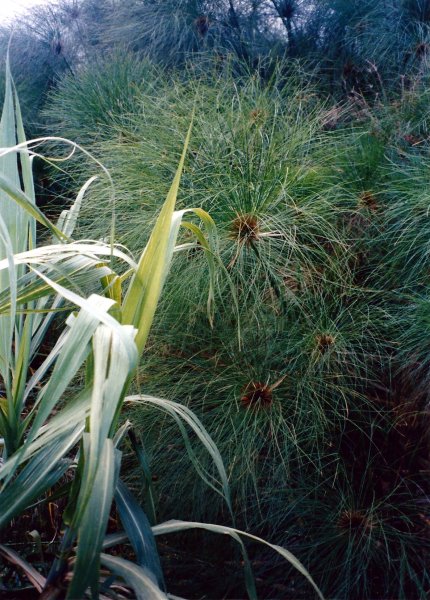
[(114, 361), (16, 220), (139, 532), (145, 288), (182, 414), (137, 577), (24, 205), (70, 359), (147, 487), (40, 474), (22, 362), (92, 530), (13, 237), (68, 218), (175, 526), (7, 323), (26, 170)]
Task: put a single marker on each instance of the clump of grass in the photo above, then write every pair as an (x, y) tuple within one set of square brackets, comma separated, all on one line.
[(285, 258), (370, 548), (271, 402), (268, 186), (321, 231), (361, 521), (47, 434), (83, 107), (406, 230)]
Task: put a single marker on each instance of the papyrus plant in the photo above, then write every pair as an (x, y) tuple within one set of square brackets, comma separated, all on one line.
[(50, 428)]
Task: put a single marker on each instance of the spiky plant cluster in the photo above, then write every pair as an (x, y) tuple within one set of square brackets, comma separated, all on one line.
[(84, 107), (375, 502), (172, 32), (271, 401), (262, 185), (311, 372)]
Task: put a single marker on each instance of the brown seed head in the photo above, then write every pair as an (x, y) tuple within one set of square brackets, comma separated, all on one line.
[(256, 395), (354, 520), (245, 228), (257, 116), (368, 200), (324, 341)]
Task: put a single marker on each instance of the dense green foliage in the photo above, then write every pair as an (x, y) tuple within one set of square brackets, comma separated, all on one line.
[(352, 46), (64, 441), (304, 376), (308, 366)]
